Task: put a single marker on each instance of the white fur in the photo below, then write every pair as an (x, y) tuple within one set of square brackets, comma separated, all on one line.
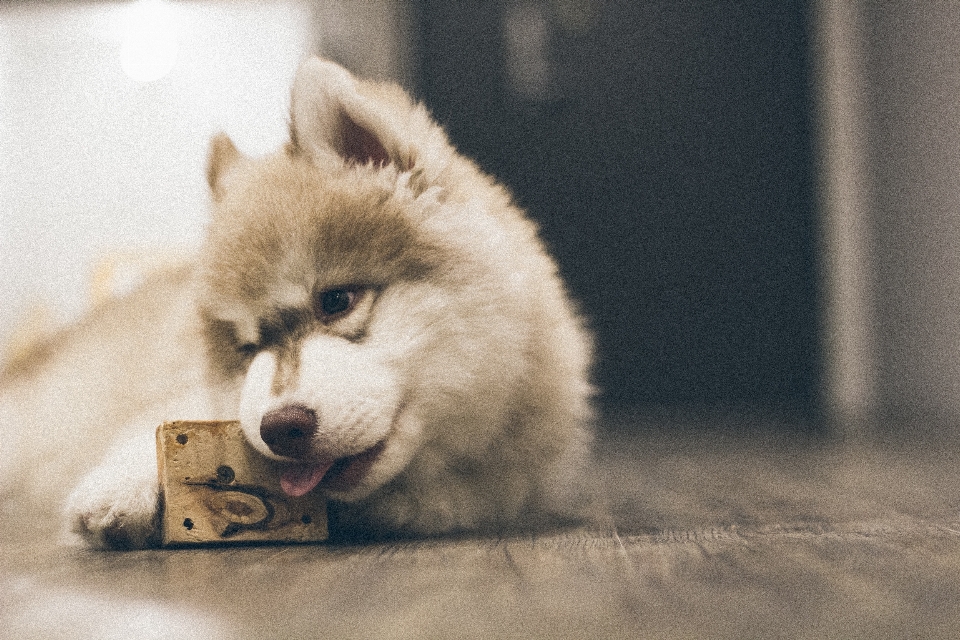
[(355, 396), (472, 373)]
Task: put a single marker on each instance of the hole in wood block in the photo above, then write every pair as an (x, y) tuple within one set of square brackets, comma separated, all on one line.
[(225, 474), (182, 438), (187, 524)]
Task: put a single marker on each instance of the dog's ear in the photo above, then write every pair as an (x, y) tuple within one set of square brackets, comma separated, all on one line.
[(222, 158), (330, 116)]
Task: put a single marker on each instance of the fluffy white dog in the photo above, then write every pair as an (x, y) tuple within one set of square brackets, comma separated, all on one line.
[(375, 311)]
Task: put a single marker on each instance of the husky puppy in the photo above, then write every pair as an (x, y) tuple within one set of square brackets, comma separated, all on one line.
[(373, 308)]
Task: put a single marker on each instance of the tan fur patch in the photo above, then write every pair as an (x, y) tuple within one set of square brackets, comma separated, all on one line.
[(292, 226)]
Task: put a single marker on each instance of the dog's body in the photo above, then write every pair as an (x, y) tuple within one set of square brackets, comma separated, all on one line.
[(373, 309)]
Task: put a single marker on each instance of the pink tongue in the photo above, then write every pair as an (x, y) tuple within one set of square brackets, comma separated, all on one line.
[(297, 479)]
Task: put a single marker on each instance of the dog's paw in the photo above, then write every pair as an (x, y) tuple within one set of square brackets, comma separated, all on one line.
[(114, 513), (117, 505)]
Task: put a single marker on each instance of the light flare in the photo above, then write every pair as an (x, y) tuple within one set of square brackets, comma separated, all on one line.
[(149, 40)]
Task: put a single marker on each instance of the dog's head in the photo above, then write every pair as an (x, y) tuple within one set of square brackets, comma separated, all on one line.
[(354, 288)]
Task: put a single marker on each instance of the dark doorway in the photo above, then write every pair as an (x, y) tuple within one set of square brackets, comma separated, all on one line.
[(665, 148)]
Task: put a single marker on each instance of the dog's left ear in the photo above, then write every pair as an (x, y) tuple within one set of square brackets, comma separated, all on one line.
[(330, 116), (222, 159)]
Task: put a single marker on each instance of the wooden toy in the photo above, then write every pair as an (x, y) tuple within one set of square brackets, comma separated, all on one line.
[(218, 489)]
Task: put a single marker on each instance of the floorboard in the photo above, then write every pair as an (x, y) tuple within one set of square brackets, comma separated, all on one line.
[(707, 532)]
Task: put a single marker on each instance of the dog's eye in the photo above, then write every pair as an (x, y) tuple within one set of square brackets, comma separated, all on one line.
[(333, 303), (247, 349)]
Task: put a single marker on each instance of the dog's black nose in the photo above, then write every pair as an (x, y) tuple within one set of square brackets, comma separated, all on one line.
[(289, 430)]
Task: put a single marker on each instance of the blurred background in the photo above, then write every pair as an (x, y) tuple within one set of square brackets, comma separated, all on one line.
[(757, 204)]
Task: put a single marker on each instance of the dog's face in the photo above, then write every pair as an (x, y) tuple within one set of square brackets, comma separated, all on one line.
[(331, 299), (303, 271)]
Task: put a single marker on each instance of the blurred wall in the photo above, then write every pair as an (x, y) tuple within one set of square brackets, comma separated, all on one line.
[(94, 162), (105, 113), (895, 176)]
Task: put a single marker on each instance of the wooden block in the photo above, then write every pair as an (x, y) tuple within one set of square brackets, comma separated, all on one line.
[(219, 489)]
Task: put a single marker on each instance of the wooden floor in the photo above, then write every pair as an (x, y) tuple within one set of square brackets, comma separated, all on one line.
[(709, 532)]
